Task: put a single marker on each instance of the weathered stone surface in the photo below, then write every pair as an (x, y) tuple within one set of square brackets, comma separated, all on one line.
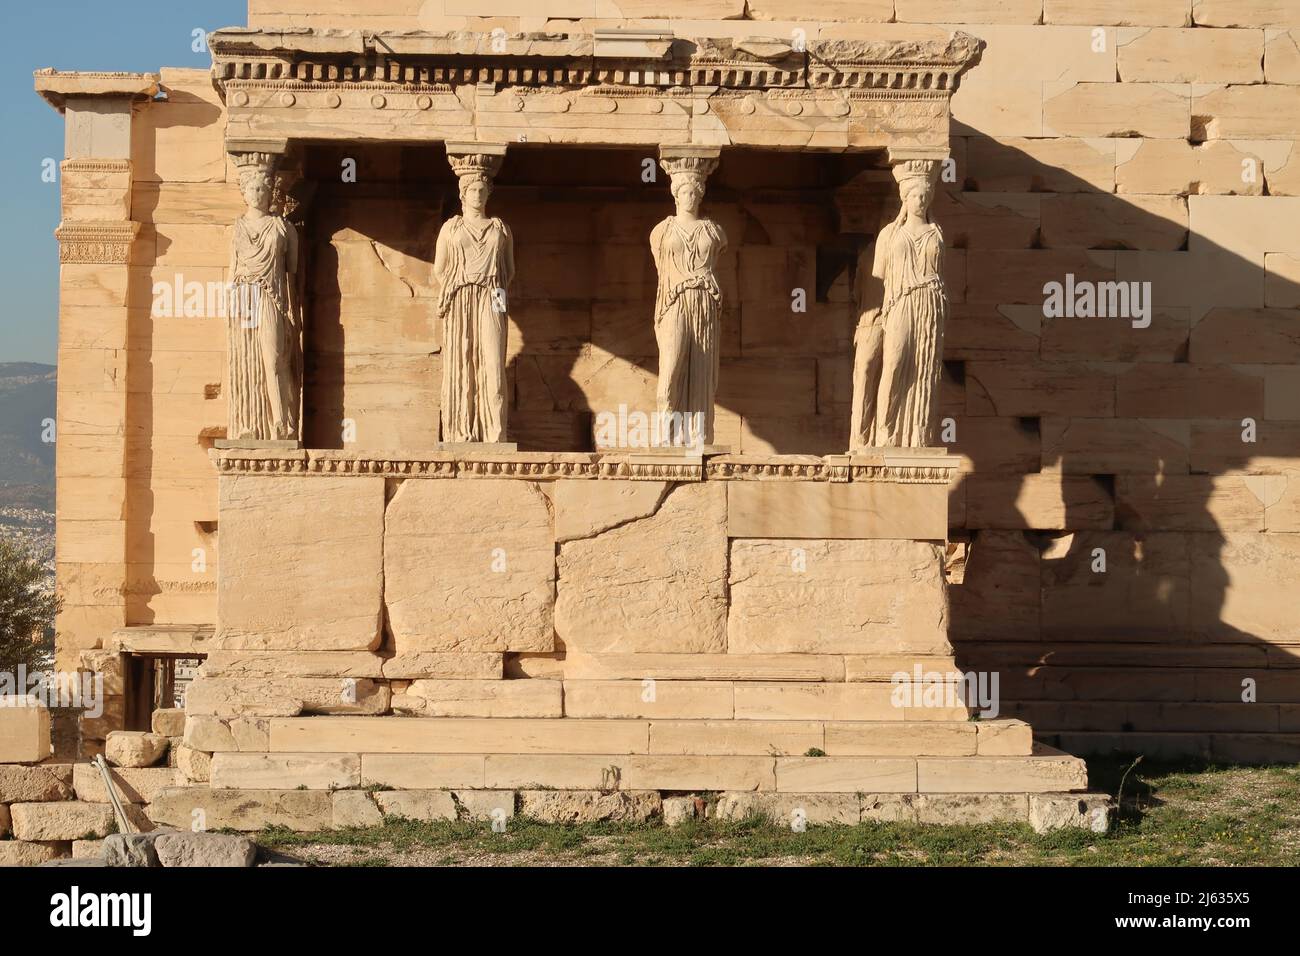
[(24, 853), (1035, 774), (63, 820), (238, 771), (205, 850), (134, 748), (947, 809), (849, 597), (656, 584), (246, 810), (215, 734), (1057, 811), (301, 563), (482, 698), (788, 809), (31, 785), (169, 722), (578, 806), (132, 849), (417, 804), (133, 785), (648, 698), (469, 565), (492, 805), (194, 765), (24, 733), (356, 808), (678, 811), (261, 664), (846, 774), (87, 849), (451, 735), (422, 771), (286, 697), (834, 510), (461, 665), (584, 509)]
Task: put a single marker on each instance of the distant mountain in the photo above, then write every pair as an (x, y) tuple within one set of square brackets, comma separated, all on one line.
[(26, 401)]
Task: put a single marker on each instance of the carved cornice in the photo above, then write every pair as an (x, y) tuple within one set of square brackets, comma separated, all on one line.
[(87, 241), (547, 466), (333, 60)]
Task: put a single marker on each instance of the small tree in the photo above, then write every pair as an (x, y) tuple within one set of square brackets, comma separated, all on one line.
[(26, 610)]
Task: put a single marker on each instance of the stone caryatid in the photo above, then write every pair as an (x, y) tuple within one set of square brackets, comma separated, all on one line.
[(688, 303), (899, 342), (474, 264), (265, 335)]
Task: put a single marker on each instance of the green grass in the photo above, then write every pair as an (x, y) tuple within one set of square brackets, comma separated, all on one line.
[(1182, 815)]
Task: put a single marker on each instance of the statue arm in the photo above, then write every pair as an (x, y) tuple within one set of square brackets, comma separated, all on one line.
[(509, 255), (440, 254), (879, 262), (656, 235)]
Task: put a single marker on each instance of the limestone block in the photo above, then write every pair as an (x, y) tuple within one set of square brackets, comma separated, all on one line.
[(1246, 112), (836, 510), (1037, 501), (677, 811), (785, 809), (1190, 56), (970, 809), (205, 850), (89, 850), (1239, 585), (169, 721), (133, 784), (194, 765), (138, 850), (1057, 811), (1156, 110), (699, 700), (654, 584), (64, 820), (417, 804), (275, 664), (1245, 13), (32, 785), (134, 748), (585, 509), (1115, 446), (445, 664), (987, 219), (1001, 774), (469, 565), (905, 739), (422, 772), (24, 732), (1282, 56), (1175, 167), (1132, 221), (710, 667), (1027, 388), (551, 806), (838, 597), (1011, 164), (1188, 391), (231, 771), (999, 738), (1157, 13), (491, 805), (846, 774), (244, 810), (483, 698), (22, 853), (1015, 276), (356, 808), (1282, 280), (1188, 503), (268, 697), (997, 445), (734, 737), (777, 700), (451, 735), (329, 532)]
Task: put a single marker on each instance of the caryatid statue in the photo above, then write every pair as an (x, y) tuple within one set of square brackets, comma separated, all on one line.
[(899, 344), (474, 264), (265, 334), (688, 304)]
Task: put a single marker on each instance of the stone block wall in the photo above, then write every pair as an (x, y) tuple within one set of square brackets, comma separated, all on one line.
[(1142, 141)]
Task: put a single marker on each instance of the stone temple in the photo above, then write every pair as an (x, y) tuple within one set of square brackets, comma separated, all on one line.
[(577, 406)]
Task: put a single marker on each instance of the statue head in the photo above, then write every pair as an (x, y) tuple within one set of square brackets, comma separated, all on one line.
[(916, 179), (688, 192), (475, 190), (476, 172), (257, 179)]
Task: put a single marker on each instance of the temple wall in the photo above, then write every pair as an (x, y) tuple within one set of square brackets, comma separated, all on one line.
[(1124, 163)]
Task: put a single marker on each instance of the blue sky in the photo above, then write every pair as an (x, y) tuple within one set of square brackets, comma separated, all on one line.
[(68, 35)]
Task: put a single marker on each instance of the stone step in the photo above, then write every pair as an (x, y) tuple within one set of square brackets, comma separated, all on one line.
[(1036, 773), (448, 735)]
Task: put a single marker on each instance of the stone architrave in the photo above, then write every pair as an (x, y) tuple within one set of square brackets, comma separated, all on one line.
[(688, 302), (264, 378), (899, 343), (474, 264)]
